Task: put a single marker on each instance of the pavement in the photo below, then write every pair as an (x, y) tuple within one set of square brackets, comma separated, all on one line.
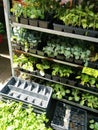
[(5, 66)]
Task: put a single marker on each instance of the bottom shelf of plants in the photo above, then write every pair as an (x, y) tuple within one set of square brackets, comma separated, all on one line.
[(63, 117), (14, 117)]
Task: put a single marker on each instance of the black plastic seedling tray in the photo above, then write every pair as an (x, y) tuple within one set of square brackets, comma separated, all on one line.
[(67, 117), (28, 92)]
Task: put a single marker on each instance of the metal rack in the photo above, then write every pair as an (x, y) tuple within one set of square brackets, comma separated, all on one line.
[(65, 34)]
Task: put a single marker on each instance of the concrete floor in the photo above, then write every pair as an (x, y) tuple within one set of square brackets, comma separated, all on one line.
[(5, 68)]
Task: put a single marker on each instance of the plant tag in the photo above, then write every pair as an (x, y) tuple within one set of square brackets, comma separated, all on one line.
[(42, 73), (90, 71)]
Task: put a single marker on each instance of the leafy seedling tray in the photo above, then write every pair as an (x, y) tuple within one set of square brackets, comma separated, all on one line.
[(67, 117), (28, 92)]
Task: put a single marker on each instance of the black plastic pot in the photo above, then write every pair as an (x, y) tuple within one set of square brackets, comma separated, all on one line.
[(69, 59), (60, 57), (13, 19), (39, 52), (64, 80), (80, 62), (33, 50), (92, 64), (24, 20), (71, 82), (79, 31), (48, 76), (92, 33), (33, 22), (56, 78), (58, 27), (68, 29), (63, 28), (43, 24)]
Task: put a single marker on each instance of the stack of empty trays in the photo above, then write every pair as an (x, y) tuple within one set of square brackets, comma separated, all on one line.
[(28, 92)]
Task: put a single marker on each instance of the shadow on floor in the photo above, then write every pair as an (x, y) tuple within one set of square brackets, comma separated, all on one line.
[(5, 67)]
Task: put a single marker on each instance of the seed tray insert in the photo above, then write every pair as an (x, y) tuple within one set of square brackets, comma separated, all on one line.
[(28, 92), (67, 117)]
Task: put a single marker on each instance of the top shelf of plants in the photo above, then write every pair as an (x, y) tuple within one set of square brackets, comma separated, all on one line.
[(58, 17)]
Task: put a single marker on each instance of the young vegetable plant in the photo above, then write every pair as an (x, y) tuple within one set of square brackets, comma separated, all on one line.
[(14, 117), (87, 80), (17, 10), (59, 91), (26, 63), (61, 70), (49, 49), (90, 100), (93, 125), (45, 65), (75, 95), (80, 17)]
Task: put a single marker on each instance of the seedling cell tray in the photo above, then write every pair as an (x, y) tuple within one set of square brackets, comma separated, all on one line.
[(67, 117), (28, 92)]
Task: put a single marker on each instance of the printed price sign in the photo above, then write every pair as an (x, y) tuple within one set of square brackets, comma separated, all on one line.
[(90, 71)]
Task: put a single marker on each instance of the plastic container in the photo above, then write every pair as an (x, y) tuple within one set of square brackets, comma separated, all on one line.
[(28, 92), (67, 117)]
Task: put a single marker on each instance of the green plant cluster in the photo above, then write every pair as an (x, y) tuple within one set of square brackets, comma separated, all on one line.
[(14, 117), (59, 91), (38, 9), (90, 100), (27, 9), (26, 63), (81, 17), (31, 64), (56, 47), (84, 99), (93, 125), (88, 80), (26, 38), (61, 70)]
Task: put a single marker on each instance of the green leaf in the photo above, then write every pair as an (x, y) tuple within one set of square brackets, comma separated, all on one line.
[(91, 121), (91, 126), (96, 25), (67, 91), (70, 98), (82, 102), (77, 98)]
